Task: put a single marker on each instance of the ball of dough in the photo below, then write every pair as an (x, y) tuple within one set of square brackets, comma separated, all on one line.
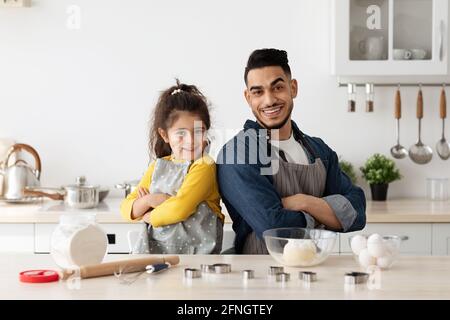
[(358, 243), (299, 252), (365, 259)]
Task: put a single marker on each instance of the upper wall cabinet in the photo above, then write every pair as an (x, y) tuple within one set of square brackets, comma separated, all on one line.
[(390, 37)]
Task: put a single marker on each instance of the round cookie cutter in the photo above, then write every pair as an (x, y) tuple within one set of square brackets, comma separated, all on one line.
[(282, 277), (222, 267), (192, 273), (248, 274), (307, 276), (274, 270), (356, 277)]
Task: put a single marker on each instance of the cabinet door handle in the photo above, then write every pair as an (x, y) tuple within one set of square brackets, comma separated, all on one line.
[(441, 48)]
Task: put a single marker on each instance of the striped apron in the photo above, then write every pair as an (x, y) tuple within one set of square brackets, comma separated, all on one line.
[(291, 179)]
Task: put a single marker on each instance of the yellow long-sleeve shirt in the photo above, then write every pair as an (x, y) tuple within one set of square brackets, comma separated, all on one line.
[(199, 184)]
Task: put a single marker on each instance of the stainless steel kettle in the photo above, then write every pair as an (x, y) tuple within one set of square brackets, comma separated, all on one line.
[(20, 175)]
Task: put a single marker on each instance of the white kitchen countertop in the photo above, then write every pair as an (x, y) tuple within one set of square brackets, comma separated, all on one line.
[(410, 278), (391, 211)]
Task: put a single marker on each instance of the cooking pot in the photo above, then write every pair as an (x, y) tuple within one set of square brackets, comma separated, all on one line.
[(79, 195), (128, 186)]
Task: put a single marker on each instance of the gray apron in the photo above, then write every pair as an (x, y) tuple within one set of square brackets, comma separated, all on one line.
[(200, 233), (292, 178)]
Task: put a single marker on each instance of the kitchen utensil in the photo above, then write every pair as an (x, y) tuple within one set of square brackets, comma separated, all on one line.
[(102, 194), (351, 90), (191, 273), (418, 54), (356, 277), (38, 276), (307, 276), (78, 240), (157, 267), (282, 277), (402, 54), (222, 268), (109, 268), (398, 151), (443, 147), (369, 97), (388, 249), (19, 175), (299, 247), (273, 270), (248, 274), (207, 268), (128, 186), (420, 153), (79, 195), (437, 188)]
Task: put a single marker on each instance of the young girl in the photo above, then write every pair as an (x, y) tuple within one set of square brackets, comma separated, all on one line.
[(178, 195)]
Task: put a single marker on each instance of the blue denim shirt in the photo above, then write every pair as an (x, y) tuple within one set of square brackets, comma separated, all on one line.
[(253, 202)]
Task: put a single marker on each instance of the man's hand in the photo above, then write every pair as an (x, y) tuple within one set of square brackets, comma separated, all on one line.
[(297, 202), (316, 207)]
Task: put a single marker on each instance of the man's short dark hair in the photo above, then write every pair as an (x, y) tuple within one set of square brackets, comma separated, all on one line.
[(267, 58)]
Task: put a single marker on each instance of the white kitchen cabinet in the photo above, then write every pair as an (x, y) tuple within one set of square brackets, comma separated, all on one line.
[(15, 237), (389, 37), (441, 239), (117, 236), (419, 236)]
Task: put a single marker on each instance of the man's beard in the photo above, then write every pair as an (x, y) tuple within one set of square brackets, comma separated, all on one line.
[(279, 125)]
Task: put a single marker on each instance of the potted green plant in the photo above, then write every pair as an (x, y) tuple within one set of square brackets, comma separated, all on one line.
[(348, 169), (379, 171)]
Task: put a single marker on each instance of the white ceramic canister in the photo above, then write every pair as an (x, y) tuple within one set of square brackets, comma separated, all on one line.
[(78, 240)]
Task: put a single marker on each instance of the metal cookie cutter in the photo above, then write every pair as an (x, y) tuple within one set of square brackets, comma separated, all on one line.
[(307, 276), (274, 270), (282, 277), (248, 274), (207, 268), (356, 277), (191, 273), (222, 267)]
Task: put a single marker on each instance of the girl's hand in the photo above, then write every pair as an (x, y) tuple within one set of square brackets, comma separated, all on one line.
[(155, 199), (142, 192), (146, 217)]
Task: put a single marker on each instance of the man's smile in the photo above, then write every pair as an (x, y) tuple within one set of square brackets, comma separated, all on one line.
[(272, 112)]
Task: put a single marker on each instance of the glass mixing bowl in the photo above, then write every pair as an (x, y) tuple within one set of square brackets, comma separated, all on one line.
[(389, 248), (299, 247)]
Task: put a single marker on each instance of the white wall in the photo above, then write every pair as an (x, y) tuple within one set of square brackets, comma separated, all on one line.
[(82, 98)]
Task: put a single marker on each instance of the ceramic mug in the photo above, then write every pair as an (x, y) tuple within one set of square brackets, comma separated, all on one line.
[(402, 54), (418, 54), (372, 48)]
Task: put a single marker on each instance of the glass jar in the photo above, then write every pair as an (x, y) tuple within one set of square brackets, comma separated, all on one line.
[(437, 188), (78, 240)]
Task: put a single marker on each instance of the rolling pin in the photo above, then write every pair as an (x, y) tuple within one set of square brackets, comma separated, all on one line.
[(109, 268)]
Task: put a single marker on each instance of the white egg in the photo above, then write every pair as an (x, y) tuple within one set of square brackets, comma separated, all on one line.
[(374, 238), (378, 250), (377, 247), (358, 243), (299, 252), (385, 262), (365, 259)]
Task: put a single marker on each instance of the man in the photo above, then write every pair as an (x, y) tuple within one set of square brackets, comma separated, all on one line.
[(272, 175)]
